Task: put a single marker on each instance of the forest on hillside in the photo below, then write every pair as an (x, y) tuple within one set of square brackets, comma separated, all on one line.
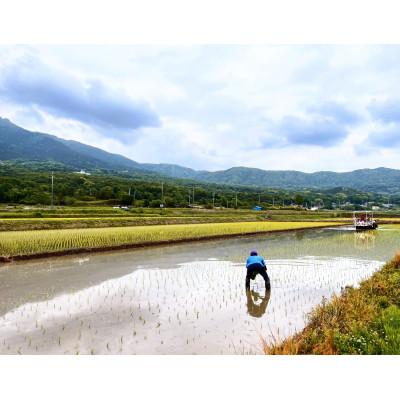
[(20, 185)]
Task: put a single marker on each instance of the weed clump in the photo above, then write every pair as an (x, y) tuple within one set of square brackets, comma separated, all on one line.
[(360, 321)]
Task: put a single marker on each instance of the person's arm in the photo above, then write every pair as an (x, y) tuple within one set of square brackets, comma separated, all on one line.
[(263, 261)]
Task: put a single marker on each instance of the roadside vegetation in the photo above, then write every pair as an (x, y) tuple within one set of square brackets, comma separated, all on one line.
[(365, 320), (25, 243)]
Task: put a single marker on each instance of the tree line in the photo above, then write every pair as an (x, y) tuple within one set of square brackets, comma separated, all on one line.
[(21, 186)]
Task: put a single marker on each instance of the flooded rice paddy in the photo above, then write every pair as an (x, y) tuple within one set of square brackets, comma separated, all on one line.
[(182, 299)]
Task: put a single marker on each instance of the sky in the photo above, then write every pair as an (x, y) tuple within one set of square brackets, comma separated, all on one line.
[(212, 107)]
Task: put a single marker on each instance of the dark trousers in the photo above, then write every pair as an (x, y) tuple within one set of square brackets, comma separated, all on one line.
[(253, 270)]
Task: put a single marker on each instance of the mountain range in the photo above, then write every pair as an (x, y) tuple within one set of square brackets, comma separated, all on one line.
[(21, 145)]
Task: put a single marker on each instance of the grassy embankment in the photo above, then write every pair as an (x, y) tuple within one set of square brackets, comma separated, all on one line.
[(20, 219), (365, 320), (27, 224), (63, 241)]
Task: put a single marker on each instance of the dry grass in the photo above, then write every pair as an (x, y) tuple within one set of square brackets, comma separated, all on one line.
[(357, 316)]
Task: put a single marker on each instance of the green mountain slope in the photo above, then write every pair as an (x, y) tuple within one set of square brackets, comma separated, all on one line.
[(22, 145), (378, 180)]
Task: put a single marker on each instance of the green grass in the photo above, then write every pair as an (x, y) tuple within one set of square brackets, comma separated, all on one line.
[(21, 224), (48, 241), (360, 321), (20, 218), (96, 211)]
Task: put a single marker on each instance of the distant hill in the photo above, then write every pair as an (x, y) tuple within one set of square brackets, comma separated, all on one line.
[(175, 171), (383, 180), (20, 144), (380, 180)]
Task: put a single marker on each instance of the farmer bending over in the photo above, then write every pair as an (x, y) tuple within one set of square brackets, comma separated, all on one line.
[(255, 264)]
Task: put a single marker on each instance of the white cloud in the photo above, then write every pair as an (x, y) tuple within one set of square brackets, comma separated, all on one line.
[(221, 106), (26, 80)]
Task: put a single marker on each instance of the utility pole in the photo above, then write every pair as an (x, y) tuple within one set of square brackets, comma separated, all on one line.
[(227, 203), (52, 189), (213, 199), (273, 202), (129, 192), (259, 198), (189, 197), (235, 199), (162, 192), (193, 196)]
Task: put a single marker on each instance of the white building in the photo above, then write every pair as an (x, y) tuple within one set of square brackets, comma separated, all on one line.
[(83, 172)]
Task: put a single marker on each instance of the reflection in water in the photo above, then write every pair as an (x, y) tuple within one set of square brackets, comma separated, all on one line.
[(299, 235), (195, 308), (364, 240), (255, 307), (181, 299)]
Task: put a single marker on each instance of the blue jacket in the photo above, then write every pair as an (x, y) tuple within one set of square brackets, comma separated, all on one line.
[(255, 260)]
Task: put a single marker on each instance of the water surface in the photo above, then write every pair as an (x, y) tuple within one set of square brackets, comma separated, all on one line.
[(181, 299)]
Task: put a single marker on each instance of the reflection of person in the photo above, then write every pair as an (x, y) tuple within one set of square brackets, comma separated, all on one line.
[(257, 310), (255, 264)]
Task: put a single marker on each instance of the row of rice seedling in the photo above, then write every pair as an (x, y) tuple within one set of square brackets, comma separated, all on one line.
[(49, 241), (197, 307)]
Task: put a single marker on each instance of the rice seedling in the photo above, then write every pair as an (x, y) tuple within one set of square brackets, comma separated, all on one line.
[(50, 241), (196, 306)]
